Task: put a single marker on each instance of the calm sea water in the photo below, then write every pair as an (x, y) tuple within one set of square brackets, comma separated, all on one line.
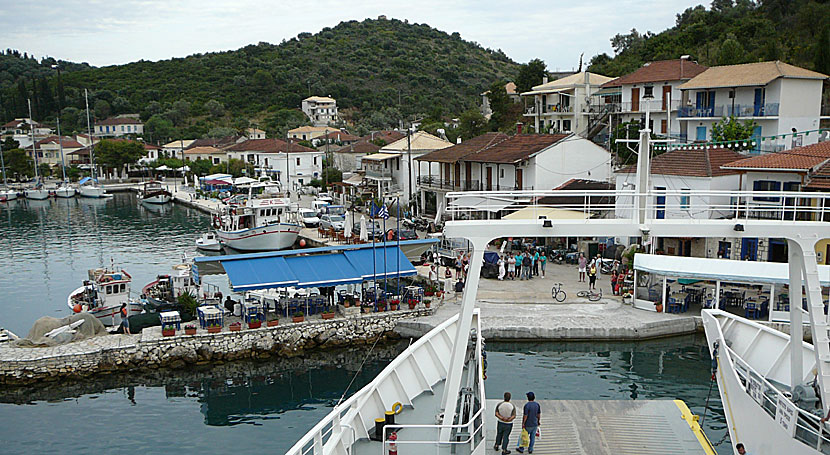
[(253, 406)]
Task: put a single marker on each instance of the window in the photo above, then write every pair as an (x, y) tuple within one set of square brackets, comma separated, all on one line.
[(298, 161), (684, 199), (216, 161), (648, 91), (109, 290), (566, 125), (501, 173), (724, 249), (123, 287), (315, 161), (766, 185)]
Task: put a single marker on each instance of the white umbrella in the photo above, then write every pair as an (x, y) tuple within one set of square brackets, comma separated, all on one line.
[(243, 180), (347, 227), (364, 234), (163, 167), (185, 168)]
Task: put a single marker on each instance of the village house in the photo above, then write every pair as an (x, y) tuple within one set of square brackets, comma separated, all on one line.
[(321, 110), (287, 163), (48, 149), (307, 133), (780, 98), (212, 154), (563, 105), (20, 130), (338, 137), (174, 149), (121, 125), (349, 157), (153, 153), (254, 133), (485, 109)]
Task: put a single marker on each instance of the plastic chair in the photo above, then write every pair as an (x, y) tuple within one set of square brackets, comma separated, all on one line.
[(751, 311), (674, 305)]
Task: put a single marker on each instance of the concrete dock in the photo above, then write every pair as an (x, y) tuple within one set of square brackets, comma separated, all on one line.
[(606, 427)]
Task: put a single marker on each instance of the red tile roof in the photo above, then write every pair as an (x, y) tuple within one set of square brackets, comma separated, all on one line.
[(268, 146), (218, 142), (660, 71), (389, 136), (691, 163), (119, 121), (459, 151), (339, 136), (516, 148), (363, 146), (799, 159), (66, 141)]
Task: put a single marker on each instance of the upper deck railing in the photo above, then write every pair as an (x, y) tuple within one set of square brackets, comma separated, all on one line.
[(624, 204)]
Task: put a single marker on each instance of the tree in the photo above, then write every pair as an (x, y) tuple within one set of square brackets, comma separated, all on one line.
[(500, 104), (179, 112), (530, 75), (215, 108), (10, 144), (18, 163), (822, 51), (118, 154), (44, 169), (200, 167), (471, 124), (730, 129), (102, 109), (731, 52), (158, 129), (120, 105), (221, 131)]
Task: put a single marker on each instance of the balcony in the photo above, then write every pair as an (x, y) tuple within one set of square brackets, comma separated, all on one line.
[(550, 109), (438, 184), (379, 174), (738, 110)]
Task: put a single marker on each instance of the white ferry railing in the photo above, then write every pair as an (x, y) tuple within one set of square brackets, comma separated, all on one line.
[(659, 204)]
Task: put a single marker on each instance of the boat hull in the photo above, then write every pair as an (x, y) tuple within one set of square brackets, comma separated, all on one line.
[(109, 315), (92, 192), (7, 195), (208, 246), (156, 198), (277, 236), (65, 192), (37, 195)]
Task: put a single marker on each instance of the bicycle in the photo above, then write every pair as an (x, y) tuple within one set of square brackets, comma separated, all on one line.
[(592, 296), (557, 293)]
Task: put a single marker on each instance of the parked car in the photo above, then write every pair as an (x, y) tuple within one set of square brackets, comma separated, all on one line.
[(404, 234), (336, 222), (378, 231), (334, 210), (319, 205), (309, 217)]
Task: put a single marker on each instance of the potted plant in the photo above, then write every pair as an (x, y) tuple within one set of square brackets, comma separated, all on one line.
[(255, 322), (393, 304), (168, 330), (273, 323), (348, 301), (328, 314), (367, 308), (190, 329), (298, 317), (214, 327), (235, 327), (412, 304), (658, 306), (427, 302)]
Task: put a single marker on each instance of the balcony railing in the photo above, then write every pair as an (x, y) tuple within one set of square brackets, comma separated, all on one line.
[(437, 183), (700, 112), (550, 109), (378, 174), (738, 110)]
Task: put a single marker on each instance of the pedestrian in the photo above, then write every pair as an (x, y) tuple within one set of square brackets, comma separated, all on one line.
[(592, 277), (598, 264), (613, 282), (465, 264), (433, 273), (536, 263), (526, 264), (582, 264), (511, 266), (740, 448), (519, 265), (458, 262), (506, 413), (531, 419), (125, 323), (502, 270), (543, 263)]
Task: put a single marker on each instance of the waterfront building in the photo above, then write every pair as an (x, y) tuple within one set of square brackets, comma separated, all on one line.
[(48, 149), (563, 105), (349, 158), (121, 125), (174, 149), (321, 110), (212, 154), (287, 163)]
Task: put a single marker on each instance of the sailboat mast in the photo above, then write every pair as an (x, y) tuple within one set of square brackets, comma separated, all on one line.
[(60, 146), (3, 165), (89, 132), (32, 131)]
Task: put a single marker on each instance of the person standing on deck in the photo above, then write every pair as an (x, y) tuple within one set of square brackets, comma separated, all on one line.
[(543, 261), (506, 413), (511, 266), (531, 419), (502, 270), (582, 264), (592, 276)]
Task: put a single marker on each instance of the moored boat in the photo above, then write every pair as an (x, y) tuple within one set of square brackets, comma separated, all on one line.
[(168, 288), (103, 294), (88, 187), (38, 193), (153, 192), (209, 242), (65, 191), (264, 223), (7, 195)]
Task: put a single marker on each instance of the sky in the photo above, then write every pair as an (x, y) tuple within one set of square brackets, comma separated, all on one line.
[(115, 32)]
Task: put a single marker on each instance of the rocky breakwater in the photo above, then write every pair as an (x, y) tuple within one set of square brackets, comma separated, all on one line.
[(118, 353)]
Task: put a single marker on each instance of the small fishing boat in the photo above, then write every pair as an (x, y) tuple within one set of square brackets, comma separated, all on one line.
[(153, 192), (7, 194), (209, 242), (103, 294), (264, 223)]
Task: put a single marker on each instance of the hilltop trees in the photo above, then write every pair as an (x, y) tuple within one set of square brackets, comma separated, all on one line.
[(530, 75)]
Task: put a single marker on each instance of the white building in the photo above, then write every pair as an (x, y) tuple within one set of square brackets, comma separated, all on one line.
[(20, 129), (321, 110), (780, 98), (307, 133), (174, 149), (49, 149), (254, 133), (349, 158), (213, 154), (121, 125), (283, 161), (563, 105)]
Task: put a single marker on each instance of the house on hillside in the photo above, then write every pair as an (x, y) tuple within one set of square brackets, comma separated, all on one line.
[(349, 158), (780, 98), (307, 133), (698, 169), (485, 109), (498, 162), (213, 154), (48, 149), (20, 130), (338, 138), (654, 85), (290, 164), (383, 137), (218, 142), (321, 110), (121, 125), (174, 149), (254, 133), (563, 105)]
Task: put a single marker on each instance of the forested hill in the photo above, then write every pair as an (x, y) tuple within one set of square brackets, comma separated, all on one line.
[(388, 66), (730, 32)]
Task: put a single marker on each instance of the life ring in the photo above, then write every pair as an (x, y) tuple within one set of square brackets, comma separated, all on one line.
[(397, 407)]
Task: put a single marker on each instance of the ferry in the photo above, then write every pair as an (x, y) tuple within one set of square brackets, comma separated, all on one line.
[(265, 222), (103, 294), (154, 193)]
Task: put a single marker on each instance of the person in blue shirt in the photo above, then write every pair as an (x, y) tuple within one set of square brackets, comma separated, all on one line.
[(531, 418)]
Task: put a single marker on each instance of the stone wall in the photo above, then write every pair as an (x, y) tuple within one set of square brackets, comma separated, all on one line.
[(29, 365)]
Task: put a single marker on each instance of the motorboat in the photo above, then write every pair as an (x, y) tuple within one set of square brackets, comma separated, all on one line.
[(88, 187), (65, 191), (102, 295), (37, 193), (264, 223), (154, 192), (168, 287), (209, 242)]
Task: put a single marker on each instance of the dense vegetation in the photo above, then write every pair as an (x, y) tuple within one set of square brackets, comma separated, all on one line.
[(380, 71), (730, 32)]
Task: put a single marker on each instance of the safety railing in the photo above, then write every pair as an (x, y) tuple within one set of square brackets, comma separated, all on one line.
[(655, 204)]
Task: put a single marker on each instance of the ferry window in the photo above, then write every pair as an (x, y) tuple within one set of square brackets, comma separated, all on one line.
[(724, 248), (109, 289), (123, 287)]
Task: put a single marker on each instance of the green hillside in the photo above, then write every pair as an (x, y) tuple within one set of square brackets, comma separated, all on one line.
[(379, 71), (730, 32)]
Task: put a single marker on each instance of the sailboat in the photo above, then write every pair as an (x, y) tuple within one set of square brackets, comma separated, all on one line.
[(6, 194), (37, 193), (64, 190), (88, 186)]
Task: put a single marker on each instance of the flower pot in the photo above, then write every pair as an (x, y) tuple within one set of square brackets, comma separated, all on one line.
[(298, 318), (659, 307), (235, 327), (411, 306), (189, 331), (214, 329), (168, 333), (394, 307), (380, 309), (429, 293), (367, 309), (255, 325), (328, 315), (426, 304), (346, 304), (273, 323)]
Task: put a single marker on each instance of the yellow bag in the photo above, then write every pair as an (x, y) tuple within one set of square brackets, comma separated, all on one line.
[(525, 441)]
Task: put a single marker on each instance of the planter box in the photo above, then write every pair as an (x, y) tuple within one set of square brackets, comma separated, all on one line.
[(367, 309), (273, 323), (298, 318), (328, 315), (235, 327), (216, 329), (168, 333), (190, 331), (255, 325)]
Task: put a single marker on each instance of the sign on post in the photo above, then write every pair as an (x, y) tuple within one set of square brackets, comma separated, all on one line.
[(786, 415)]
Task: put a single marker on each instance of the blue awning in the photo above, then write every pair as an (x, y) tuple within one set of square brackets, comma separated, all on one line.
[(323, 270), (85, 179), (260, 273), (362, 259)]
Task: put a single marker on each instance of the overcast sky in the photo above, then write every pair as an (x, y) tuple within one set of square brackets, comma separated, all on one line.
[(113, 32)]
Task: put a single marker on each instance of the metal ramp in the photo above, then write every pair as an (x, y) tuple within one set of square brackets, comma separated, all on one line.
[(606, 427)]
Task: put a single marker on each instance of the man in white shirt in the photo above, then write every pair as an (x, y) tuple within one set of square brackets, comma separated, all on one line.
[(506, 413)]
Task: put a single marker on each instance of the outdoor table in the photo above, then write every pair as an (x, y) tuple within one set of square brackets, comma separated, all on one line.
[(171, 318), (208, 315), (251, 310)]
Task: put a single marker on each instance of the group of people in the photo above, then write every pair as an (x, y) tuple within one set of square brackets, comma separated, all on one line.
[(523, 265), (591, 269), (531, 419)]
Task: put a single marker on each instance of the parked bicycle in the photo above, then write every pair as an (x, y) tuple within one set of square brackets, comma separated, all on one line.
[(557, 293), (593, 296)]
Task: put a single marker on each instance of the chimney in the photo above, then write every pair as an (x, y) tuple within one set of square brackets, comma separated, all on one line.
[(545, 79), (519, 126)]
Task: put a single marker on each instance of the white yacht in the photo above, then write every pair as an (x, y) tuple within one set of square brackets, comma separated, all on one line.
[(37, 193), (209, 242), (88, 187), (7, 194), (65, 191), (264, 223), (154, 193)]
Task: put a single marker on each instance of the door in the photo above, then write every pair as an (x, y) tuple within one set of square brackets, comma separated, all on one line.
[(660, 204), (667, 97), (519, 183), (457, 180), (664, 126), (701, 133), (446, 173), (489, 179), (685, 247), (756, 136), (777, 251), (635, 100), (468, 176), (758, 107), (749, 249)]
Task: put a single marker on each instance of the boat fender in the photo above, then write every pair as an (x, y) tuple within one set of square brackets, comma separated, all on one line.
[(397, 407), (391, 442), (77, 308)]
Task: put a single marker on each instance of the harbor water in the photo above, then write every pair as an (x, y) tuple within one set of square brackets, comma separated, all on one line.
[(264, 405)]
